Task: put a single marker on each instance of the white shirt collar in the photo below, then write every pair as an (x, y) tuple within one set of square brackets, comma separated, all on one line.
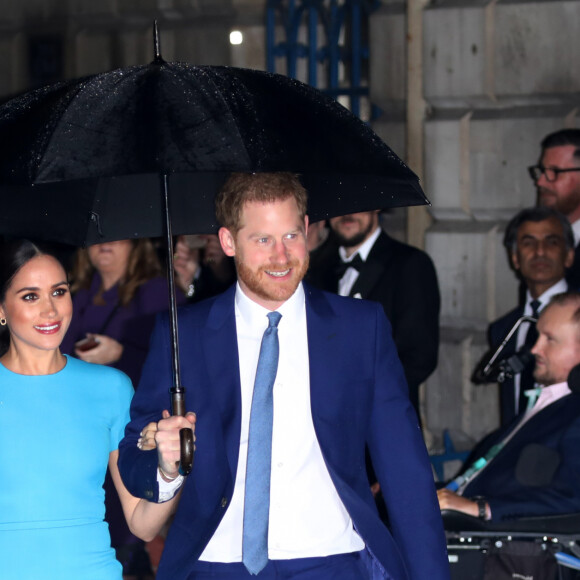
[(557, 288), (251, 311), (365, 248), (551, 393), (576, 231)]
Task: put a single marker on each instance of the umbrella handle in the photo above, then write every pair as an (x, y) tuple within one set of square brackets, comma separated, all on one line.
[(186, 442), (185, 435)]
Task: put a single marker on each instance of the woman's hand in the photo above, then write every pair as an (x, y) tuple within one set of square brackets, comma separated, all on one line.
[(185, 264), (146, 441), (107, 351)]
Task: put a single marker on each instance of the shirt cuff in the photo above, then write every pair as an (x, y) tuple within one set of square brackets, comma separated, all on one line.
[(168, 489)]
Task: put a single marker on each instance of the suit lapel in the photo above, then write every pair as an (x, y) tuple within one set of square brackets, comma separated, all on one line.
[(220, 348), (533, 430), (554, 414), (373, 268), (323, 338)]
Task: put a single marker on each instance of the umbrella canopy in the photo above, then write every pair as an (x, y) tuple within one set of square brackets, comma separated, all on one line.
[(142, 151), (93, 150)]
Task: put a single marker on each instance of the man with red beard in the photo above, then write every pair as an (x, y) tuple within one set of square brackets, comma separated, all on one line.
[(289, 384), (539, 242), (557, 181)]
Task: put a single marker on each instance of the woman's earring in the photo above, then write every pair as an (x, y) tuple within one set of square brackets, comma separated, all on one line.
[(3, 321)]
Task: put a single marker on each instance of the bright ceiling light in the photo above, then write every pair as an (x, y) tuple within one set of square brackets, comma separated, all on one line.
[(236, 37)]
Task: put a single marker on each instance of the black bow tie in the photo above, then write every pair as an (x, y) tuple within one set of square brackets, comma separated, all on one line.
[(356, 263)]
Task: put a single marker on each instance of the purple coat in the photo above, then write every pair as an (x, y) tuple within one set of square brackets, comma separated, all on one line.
[(131, 325)]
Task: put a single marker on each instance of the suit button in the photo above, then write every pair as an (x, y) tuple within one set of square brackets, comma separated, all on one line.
[(224, 502), (148, 494)]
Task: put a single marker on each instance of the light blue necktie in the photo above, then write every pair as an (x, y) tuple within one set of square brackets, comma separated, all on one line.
[(532, 395), (257, 498)]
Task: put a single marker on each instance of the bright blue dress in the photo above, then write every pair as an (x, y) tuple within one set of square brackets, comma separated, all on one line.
[(56, 433)]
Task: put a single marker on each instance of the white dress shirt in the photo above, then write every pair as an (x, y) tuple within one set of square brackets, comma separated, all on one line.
[(346, 283), (307, 517), (576, 232)]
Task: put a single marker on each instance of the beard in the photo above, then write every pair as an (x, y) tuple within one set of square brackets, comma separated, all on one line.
[(544, 378), (355, 239), (565, 205), (544, 375), (257, 281)]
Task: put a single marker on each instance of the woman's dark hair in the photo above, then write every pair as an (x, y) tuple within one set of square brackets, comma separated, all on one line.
[(13, 255)]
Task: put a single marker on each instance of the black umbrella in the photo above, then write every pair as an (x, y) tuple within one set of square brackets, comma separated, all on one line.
[(95, 147), (142, 151)]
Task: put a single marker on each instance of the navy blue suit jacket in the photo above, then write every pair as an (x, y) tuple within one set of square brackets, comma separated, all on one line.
[(537, 473), (358, 396)]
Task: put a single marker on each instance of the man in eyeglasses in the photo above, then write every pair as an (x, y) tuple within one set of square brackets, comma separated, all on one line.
[(557, 180)]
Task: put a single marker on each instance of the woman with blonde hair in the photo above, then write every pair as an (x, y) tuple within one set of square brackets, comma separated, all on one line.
[(118, 288)]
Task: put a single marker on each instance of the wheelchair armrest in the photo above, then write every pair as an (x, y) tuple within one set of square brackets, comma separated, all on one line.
[(454, 521)]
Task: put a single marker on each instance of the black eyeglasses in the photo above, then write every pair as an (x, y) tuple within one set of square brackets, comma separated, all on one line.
[(551, 173)]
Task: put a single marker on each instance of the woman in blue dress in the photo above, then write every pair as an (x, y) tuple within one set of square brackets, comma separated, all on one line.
[(61, 421)]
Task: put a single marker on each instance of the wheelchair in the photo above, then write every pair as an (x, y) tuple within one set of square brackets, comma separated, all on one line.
[(539, 548)]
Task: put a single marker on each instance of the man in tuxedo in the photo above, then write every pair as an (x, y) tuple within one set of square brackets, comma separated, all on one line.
[(362, 261), (532, 467), (289, 384), (557, 181), (539, 242)]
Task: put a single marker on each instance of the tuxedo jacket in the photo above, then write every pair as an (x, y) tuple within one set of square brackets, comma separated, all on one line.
[(537, 472), (497, 331), (358, 396), (403, 279), (573, 273)]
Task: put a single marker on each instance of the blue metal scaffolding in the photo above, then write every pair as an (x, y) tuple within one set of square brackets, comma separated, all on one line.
[(344, 25)]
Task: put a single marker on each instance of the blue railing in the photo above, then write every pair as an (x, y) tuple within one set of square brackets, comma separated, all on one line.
[(344, 26)]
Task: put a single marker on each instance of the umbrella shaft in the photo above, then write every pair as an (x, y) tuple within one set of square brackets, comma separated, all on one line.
[(177, 404), (177, 388)]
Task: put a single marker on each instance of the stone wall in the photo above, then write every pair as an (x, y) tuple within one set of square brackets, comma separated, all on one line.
[(497, 76)]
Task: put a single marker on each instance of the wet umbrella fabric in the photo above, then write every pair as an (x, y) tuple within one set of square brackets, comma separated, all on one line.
[(81, 159), (142, 151)]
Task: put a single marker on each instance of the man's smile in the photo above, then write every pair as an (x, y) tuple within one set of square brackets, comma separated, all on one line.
[(278, 273)]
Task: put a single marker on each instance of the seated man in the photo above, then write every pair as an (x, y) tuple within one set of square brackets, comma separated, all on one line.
[(532, 467)]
